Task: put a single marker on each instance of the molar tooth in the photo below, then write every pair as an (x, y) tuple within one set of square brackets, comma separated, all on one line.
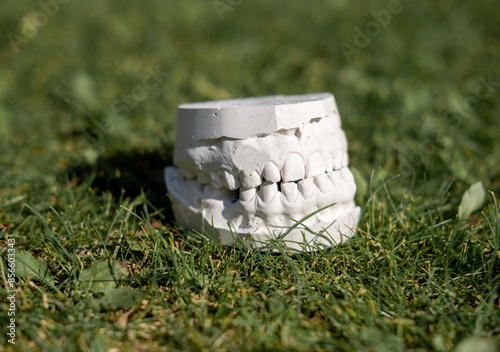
[(246, 194), (290, 191), (329, 163), (293, 168), (231, 181), (306, 187), (250, 179), (337, 160), (268, 191), (315, 165), (271, 172), (216, 180), (323, 183)]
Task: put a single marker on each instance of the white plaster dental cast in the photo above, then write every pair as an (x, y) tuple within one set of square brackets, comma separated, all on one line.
[(254, 167)]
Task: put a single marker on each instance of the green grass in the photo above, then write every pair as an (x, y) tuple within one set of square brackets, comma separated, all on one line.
[(81, 189)]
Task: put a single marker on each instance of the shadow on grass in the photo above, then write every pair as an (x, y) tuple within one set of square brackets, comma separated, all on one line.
[(126, 175)]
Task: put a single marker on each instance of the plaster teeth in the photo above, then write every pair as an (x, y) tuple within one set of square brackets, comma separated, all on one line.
[(247, 194), (293, 168), (250, 179), (337, 160), (323, 183), (306, 188), (247, 177), (268, 190), (335, 179), (315, 165), (347, 179), (329, 163), (216, 180), (271, 172), (290, 191), (203, 178), (231, 181)]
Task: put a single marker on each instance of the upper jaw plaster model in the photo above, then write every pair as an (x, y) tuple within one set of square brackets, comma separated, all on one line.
[(247, 167)]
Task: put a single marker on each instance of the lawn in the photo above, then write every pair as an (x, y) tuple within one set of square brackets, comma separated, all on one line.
[(88, 98)]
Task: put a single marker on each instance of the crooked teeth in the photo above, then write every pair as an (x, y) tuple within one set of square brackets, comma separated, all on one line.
[(216, 180), (251, 179), (306, 187), (268, 190), (290, 191), (315, 165), (293, 168), (271, 201), (271, 172), (323, 183), (319, 180), (231, 181)]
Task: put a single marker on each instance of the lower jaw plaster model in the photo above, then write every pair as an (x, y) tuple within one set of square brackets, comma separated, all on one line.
[(244, 168)]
